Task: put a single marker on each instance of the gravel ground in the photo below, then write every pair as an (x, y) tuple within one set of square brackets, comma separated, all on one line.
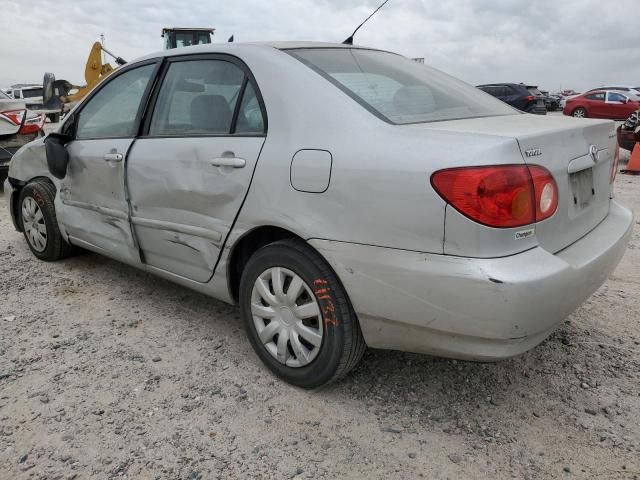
[(107, 372)]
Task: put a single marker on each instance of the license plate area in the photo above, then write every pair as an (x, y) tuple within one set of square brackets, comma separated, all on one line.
[(582, 188)]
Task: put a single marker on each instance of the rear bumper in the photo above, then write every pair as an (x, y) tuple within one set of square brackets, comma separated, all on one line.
[(470, 308)]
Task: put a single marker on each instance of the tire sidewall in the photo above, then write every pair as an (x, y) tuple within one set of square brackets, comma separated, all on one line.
[(334, 314), (41, 197)]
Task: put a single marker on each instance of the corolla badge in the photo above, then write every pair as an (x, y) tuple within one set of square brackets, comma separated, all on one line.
[(533, 152), (595, 154)]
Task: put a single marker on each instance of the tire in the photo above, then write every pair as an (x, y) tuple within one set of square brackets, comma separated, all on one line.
[(342, 344), (579, 113), (37, 197)]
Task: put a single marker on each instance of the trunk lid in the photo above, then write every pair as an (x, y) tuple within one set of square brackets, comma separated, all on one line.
[(577, 152)]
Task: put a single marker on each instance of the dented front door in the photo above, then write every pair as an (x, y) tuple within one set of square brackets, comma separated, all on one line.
[(94, 207), (93, 195)]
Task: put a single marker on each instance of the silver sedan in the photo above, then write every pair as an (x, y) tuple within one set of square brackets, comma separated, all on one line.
[(344, 197)]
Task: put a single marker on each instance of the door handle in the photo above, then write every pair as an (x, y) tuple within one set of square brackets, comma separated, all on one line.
[(234, 162), (113, 157)]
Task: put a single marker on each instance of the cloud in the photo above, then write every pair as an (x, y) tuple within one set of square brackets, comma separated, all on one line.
[(571, 43)]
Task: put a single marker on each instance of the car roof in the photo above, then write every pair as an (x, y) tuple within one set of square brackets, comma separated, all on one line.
[(231, 47), (502, 85)]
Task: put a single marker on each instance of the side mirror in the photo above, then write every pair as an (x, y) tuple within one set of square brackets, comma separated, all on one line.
[(57, 155)]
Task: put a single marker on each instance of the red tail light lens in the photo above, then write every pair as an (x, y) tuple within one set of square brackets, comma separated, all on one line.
[(14, 116), (501, 196), (33, 123), (531, 98)]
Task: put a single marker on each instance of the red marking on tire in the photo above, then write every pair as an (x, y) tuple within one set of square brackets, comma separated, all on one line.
[(325, 299), (38, 198)]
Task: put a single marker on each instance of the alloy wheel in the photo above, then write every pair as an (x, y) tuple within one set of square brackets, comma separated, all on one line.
[(287, 317)]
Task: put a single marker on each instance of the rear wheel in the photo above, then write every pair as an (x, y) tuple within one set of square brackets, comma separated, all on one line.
[(297, 315), (39, 222), (579, 113)]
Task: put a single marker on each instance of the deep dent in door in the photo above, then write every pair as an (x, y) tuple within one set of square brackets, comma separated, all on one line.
[(180, 205)]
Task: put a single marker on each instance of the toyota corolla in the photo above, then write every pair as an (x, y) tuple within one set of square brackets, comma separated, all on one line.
[(343, 197)]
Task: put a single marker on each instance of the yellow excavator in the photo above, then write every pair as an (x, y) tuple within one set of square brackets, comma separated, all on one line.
[(59, 95)]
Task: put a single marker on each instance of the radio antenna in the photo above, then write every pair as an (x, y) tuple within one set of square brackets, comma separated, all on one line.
[(349, 41)]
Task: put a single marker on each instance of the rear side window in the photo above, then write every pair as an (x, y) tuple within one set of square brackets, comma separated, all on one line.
[(112, 111), (31, 92), (596, 96), (397, 89), (200, 97)]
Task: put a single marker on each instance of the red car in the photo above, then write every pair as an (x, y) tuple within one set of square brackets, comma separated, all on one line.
[(601, 104)]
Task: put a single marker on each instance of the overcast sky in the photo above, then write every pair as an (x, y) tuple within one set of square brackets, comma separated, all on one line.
[(553, 43)]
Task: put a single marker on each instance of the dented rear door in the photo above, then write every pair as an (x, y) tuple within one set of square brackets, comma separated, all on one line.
[(190, 172)]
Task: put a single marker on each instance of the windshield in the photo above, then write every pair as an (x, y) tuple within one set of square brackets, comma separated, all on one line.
[(397, 89), (4, 95)]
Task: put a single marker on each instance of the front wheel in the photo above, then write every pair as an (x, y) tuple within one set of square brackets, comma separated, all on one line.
[(579, 113), (297, 315), (39, 222)]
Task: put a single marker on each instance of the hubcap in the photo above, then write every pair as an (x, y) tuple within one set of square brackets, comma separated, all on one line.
[(578, 113), (287, 317), (33, 224)]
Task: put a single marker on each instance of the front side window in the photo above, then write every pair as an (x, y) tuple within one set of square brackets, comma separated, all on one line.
[(199, 97), (397, 89), (112, 111)]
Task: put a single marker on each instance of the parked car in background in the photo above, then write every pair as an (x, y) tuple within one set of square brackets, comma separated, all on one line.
[(33, 97), (517, 95), (601, 104), (18, 126), (627, 139), (635, 91), (222, 167), (552, 102), (29, 92), (629, 131)]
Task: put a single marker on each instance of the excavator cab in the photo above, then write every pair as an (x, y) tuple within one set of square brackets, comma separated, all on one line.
[(185, 37)]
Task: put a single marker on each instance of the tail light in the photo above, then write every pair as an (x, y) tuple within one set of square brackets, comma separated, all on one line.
[(500, 196), (531, 98), (614, 164), (14, 116), (33, 123)]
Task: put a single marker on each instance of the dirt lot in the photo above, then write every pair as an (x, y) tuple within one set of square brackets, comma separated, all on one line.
[(107, 372)]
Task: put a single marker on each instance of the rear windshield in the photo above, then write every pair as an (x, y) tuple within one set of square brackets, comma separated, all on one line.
[(397, 89), (534, 91), (31, 92)]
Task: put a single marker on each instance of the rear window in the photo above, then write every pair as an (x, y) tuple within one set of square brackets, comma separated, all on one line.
[(31, 92), (534, 91), (397, 89)]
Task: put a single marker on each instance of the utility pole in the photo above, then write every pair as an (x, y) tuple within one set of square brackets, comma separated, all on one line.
[(102, 42)]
